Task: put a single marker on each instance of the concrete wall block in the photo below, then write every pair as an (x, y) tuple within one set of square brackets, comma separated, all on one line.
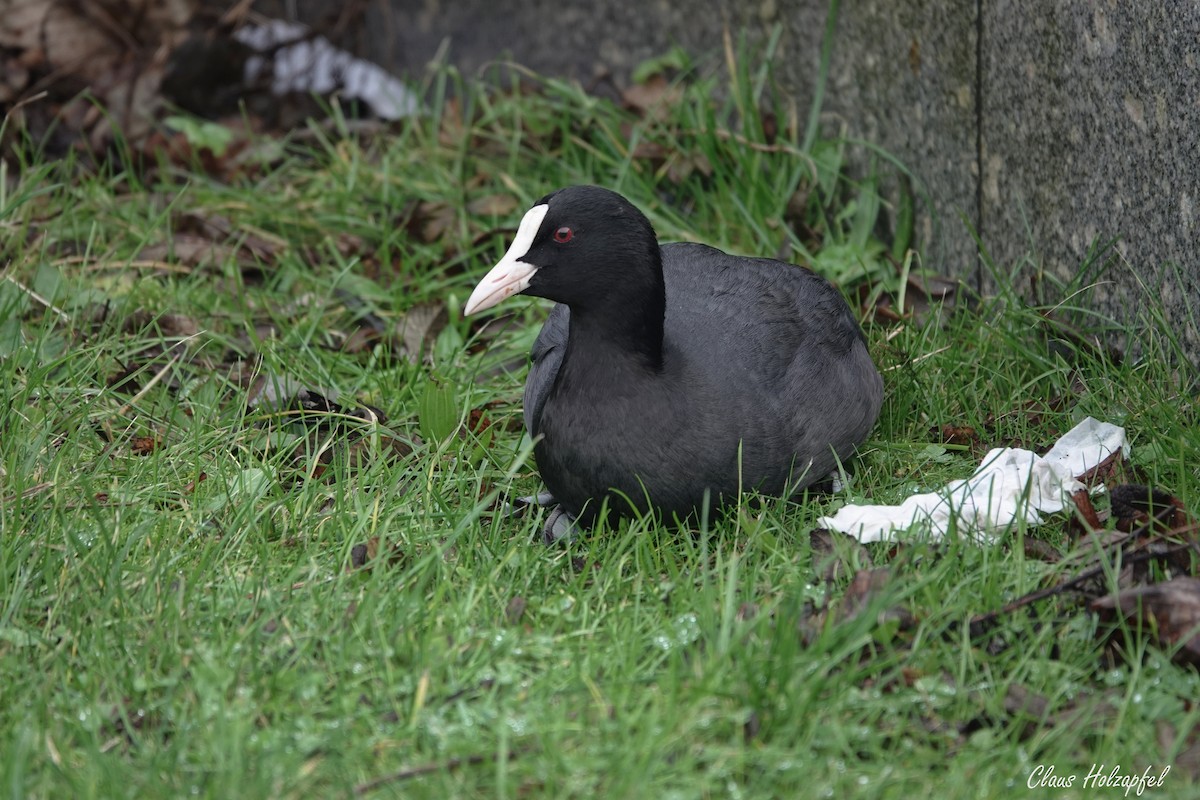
[(1091, 128), (1046, 126)]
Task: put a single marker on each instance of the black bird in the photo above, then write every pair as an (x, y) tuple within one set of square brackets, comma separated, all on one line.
[(667, 372)]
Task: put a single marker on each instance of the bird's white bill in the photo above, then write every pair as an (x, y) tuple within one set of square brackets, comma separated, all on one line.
[(511, 275)]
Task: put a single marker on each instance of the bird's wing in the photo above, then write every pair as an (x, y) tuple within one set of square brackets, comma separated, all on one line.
[(754, 315), (547, 355)]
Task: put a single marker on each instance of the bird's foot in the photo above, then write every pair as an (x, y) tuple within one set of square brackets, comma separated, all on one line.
[(560, 527), (518, 507)]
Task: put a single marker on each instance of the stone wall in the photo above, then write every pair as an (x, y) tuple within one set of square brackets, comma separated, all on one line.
[(1044, 126)]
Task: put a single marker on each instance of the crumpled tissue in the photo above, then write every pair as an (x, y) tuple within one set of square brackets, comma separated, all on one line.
[(1010, 484)]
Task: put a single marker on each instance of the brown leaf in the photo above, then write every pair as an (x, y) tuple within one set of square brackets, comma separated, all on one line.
[(1087, 511), (652, 97), (935, 287), (130, 92), (959, 435), (419, 327), (13, 79), (883, 307), (360, 340), (1171, 609), (834, 554), (275, 393), (866, 586), (362, 450), (1187, 755), (367, 554), (453, 124), (1041, 550), (191, 485), (258, 247), (60, 33), (493, 205), (144, 445), (1106, 471), (1029, 712), (351, 245), (429, 221), (681, 166), (862, 593), (191, 251), (204, 239), (514, 610), (169, 326), (131, 721), (649, 151), (1137, 506)]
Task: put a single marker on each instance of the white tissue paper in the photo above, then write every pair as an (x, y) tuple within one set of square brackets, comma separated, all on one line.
[(1010, 484), (302, 62)]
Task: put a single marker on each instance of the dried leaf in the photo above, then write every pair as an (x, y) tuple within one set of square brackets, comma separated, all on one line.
[(862, 593), (271, 392), (429, 221), (360, 340), (453, 123), (419, 328), (191, 251), (1041, 550), (1186, 755), (320, 414), (258, 245), (1106, 471), (959, 435), (368, 554), (14, 77), (493, 205), (169, 326), (514, 610), (681, 166), (1175, 549), (144, 445), (1171, 610), (647, 150), (60, 33), (835, 554), (1029, 713), (652, 97), (191, 485), (1137, 506), (935, 287), (1089, 518), (864, 589)]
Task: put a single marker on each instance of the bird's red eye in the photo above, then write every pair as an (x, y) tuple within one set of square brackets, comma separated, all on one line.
[(563, 235)]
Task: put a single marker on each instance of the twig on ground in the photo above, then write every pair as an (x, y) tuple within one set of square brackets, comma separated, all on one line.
[(425, 769)]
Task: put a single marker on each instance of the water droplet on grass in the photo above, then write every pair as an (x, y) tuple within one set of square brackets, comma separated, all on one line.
[(682, 631)]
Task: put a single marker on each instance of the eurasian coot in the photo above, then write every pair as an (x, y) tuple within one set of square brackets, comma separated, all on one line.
[(665, 373)]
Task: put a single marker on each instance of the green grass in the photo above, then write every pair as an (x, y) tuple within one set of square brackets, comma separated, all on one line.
[(180, 610)]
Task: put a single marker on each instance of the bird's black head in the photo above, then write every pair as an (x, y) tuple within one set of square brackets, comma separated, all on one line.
[(584, 246)]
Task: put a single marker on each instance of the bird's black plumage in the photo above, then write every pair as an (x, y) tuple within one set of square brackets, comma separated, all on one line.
[(665, 372)]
